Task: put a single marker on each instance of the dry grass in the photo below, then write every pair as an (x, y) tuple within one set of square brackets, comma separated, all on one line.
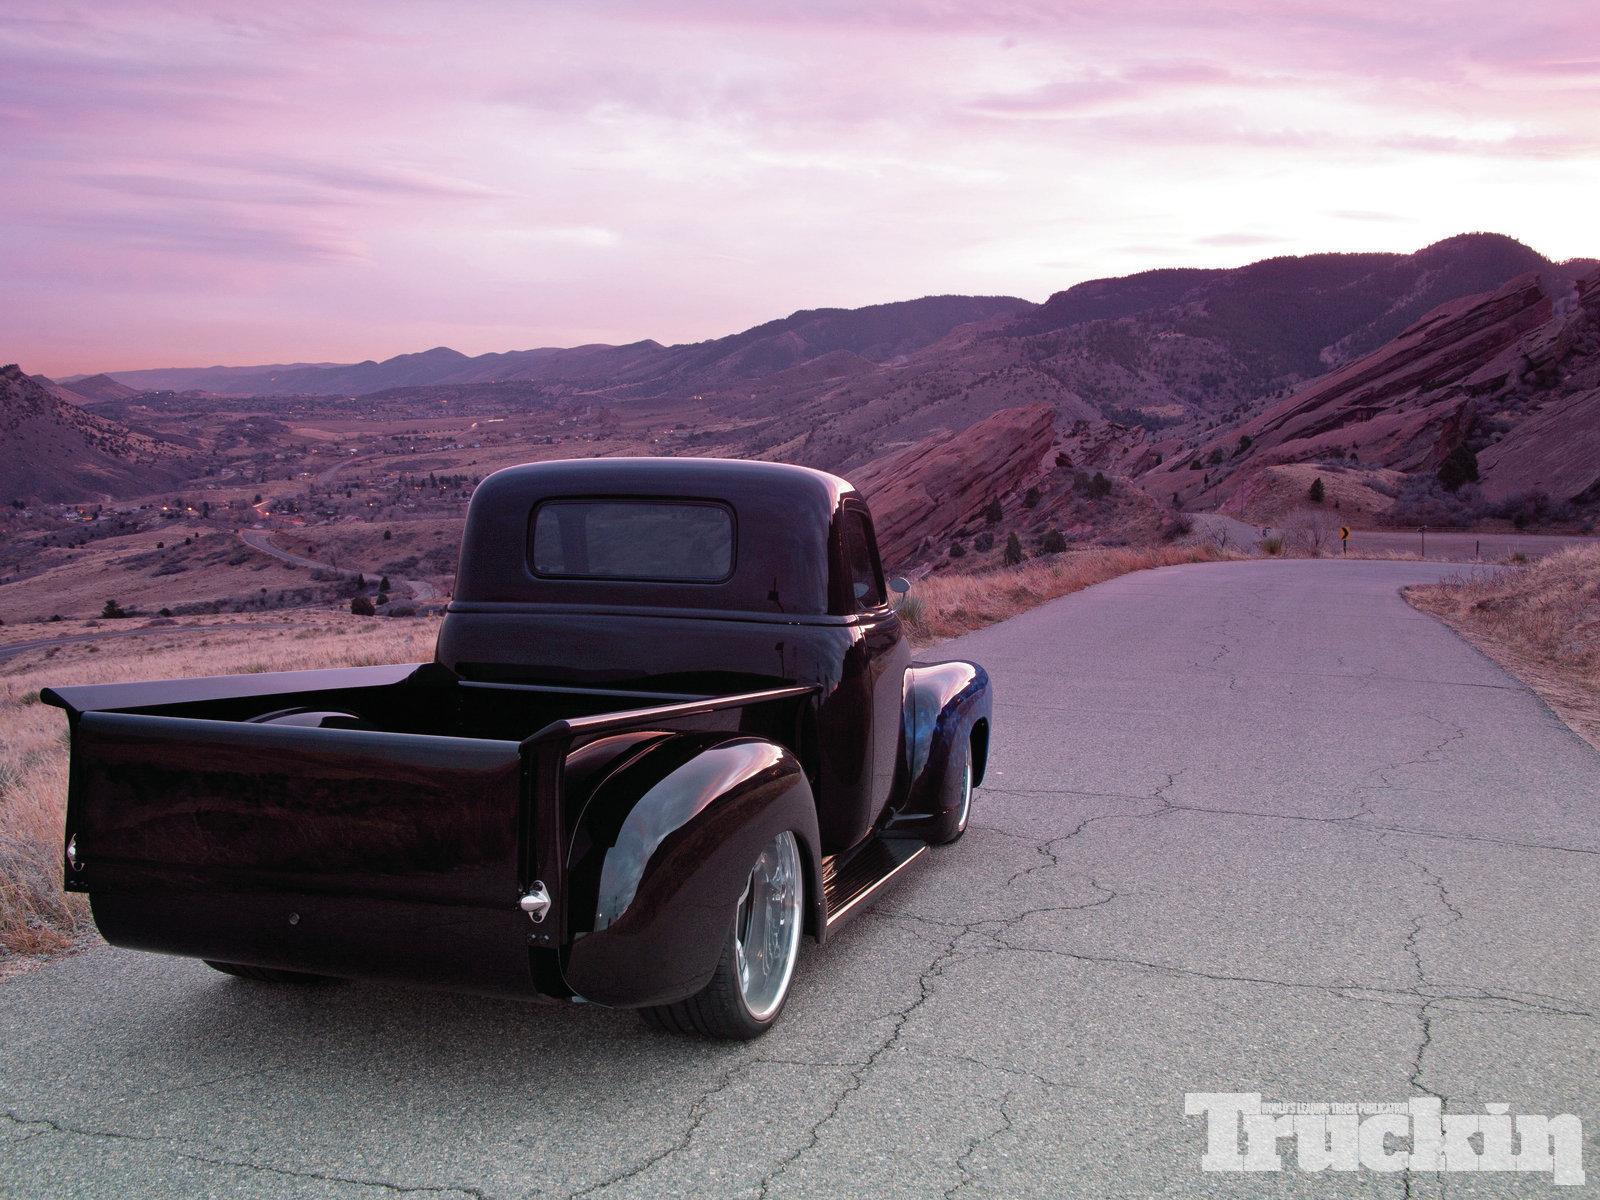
[(36, 917), (949, 605), (1540, 620)]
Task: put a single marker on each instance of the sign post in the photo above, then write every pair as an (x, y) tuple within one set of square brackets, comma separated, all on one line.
[(1344, 539)]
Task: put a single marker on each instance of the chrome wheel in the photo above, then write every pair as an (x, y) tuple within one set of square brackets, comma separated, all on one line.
[(767, 926)]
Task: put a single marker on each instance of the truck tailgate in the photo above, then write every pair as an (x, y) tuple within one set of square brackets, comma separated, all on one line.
[(328, 850)]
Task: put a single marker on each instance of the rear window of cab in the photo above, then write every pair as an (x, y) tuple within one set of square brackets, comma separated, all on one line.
[(637, 539)]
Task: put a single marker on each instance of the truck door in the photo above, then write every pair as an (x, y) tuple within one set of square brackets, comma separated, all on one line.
[(887, 653)]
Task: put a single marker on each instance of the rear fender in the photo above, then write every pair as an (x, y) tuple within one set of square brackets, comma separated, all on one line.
[(947, 706), (661, 854)]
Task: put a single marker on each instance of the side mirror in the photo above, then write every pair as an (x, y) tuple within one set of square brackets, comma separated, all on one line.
[(899, 585)]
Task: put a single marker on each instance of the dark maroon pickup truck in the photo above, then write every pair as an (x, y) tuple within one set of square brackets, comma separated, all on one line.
[(672, 723)]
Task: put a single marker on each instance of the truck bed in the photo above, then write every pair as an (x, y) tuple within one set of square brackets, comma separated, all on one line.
[(380, 821)]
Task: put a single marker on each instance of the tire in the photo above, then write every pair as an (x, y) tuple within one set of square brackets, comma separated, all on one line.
[(265, 974), (955, 796), (751, 982)]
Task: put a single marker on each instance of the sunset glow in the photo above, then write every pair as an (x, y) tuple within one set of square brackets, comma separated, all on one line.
[(197, 183)]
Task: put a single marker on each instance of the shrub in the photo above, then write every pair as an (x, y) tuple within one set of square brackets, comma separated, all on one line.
[(1215, 456), (1532, 508), (1272, 545), (1099, 485), (1013, 552), (1053, 542), (1316, 493), (957, 550), (1179, 525), (1421, 501), (992, 512), (387, 535), (360, 606), (1030, 498), (984, 542), (1244, 444)]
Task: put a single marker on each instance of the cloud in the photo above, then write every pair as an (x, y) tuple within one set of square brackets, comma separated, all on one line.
[(1241, 239), (1369, 215), (670, 169)]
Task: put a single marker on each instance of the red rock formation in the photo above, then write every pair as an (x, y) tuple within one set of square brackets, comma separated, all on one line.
[(1556, 451), (1549, 387), (920, 494), (1404, 406)]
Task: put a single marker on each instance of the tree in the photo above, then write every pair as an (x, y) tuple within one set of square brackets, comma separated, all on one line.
[(1460, 466), (957, 550), (1317, 493), (1311, 529), (1030, 497), (113, 610), (362, 607), (992, 512), (1013, 552)]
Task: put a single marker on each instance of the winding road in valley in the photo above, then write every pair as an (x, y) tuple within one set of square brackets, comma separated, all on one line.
[(1253, 828), (261, 539)]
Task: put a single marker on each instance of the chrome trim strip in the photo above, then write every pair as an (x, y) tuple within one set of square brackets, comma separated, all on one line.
[(863, 897)]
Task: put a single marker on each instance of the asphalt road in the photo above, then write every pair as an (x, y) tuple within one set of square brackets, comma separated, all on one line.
[(1248, 828)]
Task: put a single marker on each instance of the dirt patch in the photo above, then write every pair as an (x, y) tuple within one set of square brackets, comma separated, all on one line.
[(1540, 621)]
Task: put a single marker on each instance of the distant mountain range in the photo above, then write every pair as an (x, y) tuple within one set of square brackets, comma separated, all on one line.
[(879, 333), (1181, 351), (1188, 357)]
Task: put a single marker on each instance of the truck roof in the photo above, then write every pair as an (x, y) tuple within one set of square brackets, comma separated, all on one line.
[(781, 521)]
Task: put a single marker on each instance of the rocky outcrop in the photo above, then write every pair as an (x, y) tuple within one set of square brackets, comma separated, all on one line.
[(1556, 451), (1544, 393), (1106, 446), (921, 494), (1405, 406)]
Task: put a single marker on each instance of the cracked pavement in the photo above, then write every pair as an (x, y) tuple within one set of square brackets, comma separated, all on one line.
[(1254, 827)]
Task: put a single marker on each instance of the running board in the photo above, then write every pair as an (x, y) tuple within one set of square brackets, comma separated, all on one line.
[(847, 886)]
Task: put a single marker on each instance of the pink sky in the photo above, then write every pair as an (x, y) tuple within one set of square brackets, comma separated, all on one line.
[(192, 182)]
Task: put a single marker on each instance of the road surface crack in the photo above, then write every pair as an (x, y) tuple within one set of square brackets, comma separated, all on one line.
[(698, 1112), (860, 1071)]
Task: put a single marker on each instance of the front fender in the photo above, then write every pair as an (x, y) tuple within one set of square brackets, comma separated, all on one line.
[(661, 855), (947, 706)]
